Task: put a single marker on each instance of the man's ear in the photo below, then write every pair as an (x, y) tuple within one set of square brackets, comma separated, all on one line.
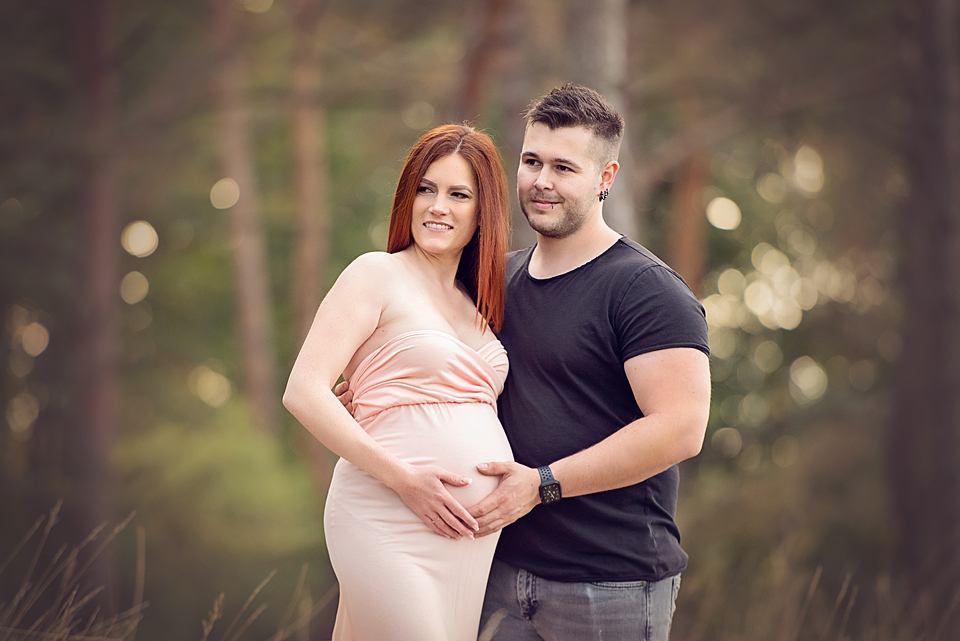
[(608, 174)]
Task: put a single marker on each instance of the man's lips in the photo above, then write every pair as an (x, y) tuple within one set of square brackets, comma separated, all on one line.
[(543, 204)]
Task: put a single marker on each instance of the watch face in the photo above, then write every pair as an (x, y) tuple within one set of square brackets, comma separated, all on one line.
[(550, 493)]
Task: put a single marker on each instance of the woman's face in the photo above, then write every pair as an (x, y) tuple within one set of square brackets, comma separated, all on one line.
[(445, 207)]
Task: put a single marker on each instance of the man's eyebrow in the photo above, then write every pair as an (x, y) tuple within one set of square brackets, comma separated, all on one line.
[(565, 161), (555, 161)]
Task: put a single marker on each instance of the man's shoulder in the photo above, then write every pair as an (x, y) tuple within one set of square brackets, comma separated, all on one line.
[(632, 261), (636, 274), (631, 253)]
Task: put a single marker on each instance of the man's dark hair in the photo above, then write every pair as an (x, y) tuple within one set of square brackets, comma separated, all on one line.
[(573, 105)]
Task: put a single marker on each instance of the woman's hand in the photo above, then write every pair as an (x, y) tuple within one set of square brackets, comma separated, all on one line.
[(421, 487)]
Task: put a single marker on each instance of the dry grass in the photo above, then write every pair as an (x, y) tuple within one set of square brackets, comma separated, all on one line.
[(799, 608), (54, 604), (290, 624)]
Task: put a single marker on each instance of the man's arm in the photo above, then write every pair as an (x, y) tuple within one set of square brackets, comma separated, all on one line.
[(672, 388)]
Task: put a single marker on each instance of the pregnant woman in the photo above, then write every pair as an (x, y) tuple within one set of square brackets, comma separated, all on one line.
[(412, 331)]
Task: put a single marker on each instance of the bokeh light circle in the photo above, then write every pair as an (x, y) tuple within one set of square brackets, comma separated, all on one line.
[(225, 193), (139, 239), (723, 213), (134, 288)]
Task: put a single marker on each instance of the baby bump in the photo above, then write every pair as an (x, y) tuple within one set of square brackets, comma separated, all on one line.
[(453, 436)]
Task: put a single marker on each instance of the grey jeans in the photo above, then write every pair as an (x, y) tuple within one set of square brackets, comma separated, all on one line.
[(520, 606)]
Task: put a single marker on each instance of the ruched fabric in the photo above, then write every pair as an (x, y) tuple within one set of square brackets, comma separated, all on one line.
[(428, 399)]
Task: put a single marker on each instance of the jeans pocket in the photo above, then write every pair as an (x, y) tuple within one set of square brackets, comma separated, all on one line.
[(620, 585)]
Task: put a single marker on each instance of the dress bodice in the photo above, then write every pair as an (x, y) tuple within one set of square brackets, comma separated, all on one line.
[(427, 366)]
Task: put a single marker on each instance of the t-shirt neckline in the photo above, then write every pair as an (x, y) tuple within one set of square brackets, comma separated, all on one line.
[(526, 263)]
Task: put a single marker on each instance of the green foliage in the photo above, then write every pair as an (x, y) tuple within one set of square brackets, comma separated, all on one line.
[(222, 505), (223, 476)]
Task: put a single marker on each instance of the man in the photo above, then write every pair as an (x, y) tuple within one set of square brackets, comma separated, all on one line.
[(609, 389)]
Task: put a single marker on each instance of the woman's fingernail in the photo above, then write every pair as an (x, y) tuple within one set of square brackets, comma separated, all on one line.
[(467, 481), (481, 466)]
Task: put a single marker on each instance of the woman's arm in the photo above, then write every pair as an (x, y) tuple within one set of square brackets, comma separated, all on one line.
[(348, 316)]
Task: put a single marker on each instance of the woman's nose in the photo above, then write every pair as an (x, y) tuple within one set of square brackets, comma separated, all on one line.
[(439, 205)]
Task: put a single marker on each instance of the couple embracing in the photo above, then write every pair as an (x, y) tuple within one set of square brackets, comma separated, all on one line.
[(534, 505)]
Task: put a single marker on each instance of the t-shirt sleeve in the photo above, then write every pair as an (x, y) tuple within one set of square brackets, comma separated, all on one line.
[(658, 311)]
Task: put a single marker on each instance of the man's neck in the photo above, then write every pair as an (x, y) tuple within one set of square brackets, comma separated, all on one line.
[(556, 256)]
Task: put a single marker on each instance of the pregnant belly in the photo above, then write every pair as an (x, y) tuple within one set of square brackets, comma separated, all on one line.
[(453, 436)]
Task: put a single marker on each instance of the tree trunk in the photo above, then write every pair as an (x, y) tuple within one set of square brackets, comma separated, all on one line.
[(687, 239), (247, 243), (924, 447), (313, 218), (97, 345), (687, 229), (482, 58), (517, 95), (600, 40), (310, 169)]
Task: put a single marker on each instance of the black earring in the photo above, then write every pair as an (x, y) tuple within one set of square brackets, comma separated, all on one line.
[(604, 194)]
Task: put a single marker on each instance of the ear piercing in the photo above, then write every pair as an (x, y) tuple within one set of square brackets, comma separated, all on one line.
[(604, 194)]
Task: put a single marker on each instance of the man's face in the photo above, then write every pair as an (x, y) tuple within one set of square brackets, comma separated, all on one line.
[(558, 179)]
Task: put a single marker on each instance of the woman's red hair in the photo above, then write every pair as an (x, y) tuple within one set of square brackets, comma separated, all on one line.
[(483, 262)]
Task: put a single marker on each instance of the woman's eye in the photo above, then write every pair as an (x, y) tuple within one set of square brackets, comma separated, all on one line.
[(460, 195), (423, 189)]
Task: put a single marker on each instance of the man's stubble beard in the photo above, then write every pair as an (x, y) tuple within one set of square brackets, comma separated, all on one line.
[(568, 224)]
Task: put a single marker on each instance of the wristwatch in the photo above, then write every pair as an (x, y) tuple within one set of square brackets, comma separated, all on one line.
[(549, 486)]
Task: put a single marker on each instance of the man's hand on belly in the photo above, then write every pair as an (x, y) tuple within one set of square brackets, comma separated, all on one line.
[(515, 496)]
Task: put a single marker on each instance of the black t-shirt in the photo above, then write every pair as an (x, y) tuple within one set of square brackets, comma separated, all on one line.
[(568, 338)]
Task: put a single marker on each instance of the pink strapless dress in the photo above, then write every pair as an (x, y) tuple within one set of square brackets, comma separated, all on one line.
[(429, 399)]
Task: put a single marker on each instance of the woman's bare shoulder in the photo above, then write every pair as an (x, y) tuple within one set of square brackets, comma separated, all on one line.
[(373, 261), (372, 267)]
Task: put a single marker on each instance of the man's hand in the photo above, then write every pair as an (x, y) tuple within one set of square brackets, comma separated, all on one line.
[(345, 395), (515, 496)]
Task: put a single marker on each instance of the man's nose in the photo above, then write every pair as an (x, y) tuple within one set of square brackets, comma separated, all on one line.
[(543, 180)]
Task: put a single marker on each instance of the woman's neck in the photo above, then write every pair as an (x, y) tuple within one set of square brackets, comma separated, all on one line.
[(438, 270)]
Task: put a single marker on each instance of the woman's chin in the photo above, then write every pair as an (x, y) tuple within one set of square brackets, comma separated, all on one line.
[(436, 247)]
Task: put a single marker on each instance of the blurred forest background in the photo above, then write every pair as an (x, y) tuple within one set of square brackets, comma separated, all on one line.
[(182, 180)]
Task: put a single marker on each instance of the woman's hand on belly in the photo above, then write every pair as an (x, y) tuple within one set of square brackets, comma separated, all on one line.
[(422, 489)]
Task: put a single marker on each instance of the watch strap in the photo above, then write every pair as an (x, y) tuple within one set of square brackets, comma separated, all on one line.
[(549, 486)]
